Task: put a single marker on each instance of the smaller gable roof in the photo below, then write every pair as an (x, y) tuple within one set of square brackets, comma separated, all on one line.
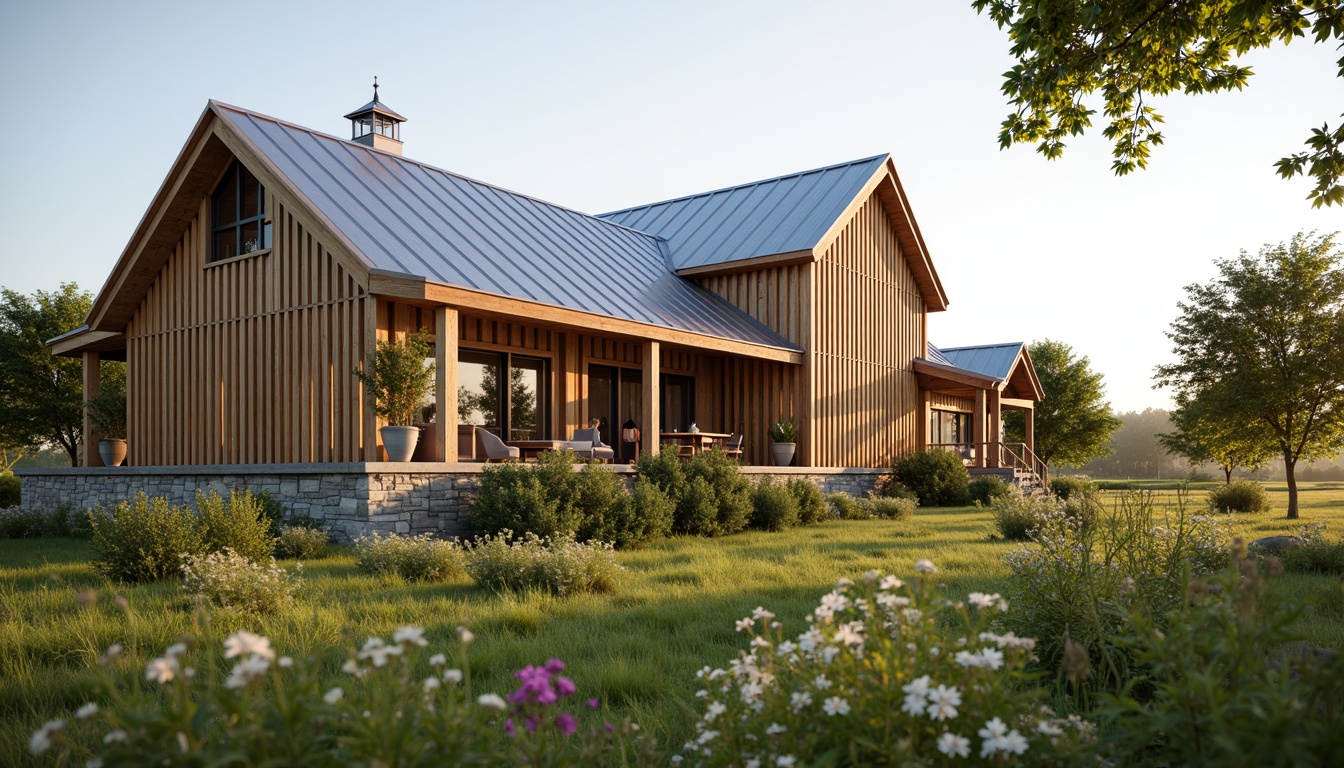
[(993, 360)]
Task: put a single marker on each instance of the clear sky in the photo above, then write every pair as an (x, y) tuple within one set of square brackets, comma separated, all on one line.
[(599, 106)]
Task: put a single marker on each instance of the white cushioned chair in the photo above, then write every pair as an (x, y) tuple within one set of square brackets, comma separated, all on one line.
[(495, 449), (596, 450)]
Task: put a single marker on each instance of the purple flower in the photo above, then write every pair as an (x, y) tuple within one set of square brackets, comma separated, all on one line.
[(566, 723), (564, 686), (510, 728), (555, 666), (531, 724), (594, 703)]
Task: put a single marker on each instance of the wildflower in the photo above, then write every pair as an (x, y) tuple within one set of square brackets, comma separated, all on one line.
[(438, 660), (334, 695), (351, 667), (707, 736), (431, 684), (375, 649), (409, 635), (1048, 728), (246, 671), (760, 642), (41, 739), (829, 653), (981, 600), (243, 643), (890, 582), (564, 686), (594, 703), (745, 625), (465, 636), (848, 634), (943, 702), (775, 728), (284, 662), (835, 706), (787, 648), (453, 676), (492, 700), (161, 670), (116, 737), (800, 699), (715, 709), (566, 723), (951, 744), (175, 650), (925, 566), (87, 711), (991, 658), (1014, 742), (821, 683), (785, 761), (96, 762), (113, 651), (761, 613)]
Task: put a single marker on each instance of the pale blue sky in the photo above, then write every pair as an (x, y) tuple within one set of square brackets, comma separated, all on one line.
[(599, 106)]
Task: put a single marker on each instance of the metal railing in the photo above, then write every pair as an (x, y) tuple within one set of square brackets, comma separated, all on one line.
[(1015, 456)]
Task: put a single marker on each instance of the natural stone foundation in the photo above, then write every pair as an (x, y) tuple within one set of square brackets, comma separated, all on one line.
[(349, 499)]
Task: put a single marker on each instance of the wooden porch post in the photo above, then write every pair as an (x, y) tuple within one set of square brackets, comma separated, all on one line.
[(995, 426), (1029, 433), (652, 418), (92, 381), (445, 383), (978, 428)]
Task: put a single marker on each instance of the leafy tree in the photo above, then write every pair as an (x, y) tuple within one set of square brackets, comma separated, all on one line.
[(1132, 51), (1265, 339), (41, 395), (1205, 433), (399, 377), (1074, 422)]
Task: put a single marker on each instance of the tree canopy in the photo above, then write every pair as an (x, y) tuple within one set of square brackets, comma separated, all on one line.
[(1074, 423), (1130, 51), (1265, 340), (41, 395), (1205, 432)]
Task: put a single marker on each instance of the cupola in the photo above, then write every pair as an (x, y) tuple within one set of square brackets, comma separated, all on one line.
[(375, 125)]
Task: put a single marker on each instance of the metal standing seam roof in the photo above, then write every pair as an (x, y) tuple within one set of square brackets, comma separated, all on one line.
[(780, 215), (411, 218), (994, 360), (936, 355)]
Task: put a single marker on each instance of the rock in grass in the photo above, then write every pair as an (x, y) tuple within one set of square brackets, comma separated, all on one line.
[(1276, 543)]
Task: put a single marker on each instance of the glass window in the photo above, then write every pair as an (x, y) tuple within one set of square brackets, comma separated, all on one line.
[(527, 414), (678, 403), (481, 400), (238, 209), (478, 389)]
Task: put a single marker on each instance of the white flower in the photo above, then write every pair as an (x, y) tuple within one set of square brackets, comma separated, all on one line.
[(242, 643), (1014, 742), (465, 635), (951, 744), (161, 670), (246, 671), (829, 653), (378, 651), (760, 642), (284, 662), (715, 709), (843, 582), (991, 658), (86, 711), (775, 728), (116, 737), (925, 566), (438, 660), (761, 613), (914, 704), (981, 600), (1048, 728), (943, 702), (410, 635), (835, 706), (93, 762), (821, 683), (41, 740), (891, 582), (675, 759), (431, 684), (453, 676), (993, 729), (175, 650), (849, 634), (707, 736), (785, 761), (334, 695), (917, 687), (787, 648), (745, 625), (492, 700), (351, 667), (800, 699)]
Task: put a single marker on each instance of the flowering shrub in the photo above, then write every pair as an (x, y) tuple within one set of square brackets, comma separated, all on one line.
[(144, 539), (1069, 586), (562, 565), (1017, 513), (229, 580), (238, 524), (269, 709), (301, 543), (420, 558), (887, 673)]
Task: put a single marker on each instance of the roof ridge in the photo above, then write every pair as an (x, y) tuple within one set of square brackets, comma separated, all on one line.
[(758, 182), (984, 346), (433, 168)]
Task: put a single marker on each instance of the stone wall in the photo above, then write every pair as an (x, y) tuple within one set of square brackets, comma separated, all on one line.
[(349, 499)]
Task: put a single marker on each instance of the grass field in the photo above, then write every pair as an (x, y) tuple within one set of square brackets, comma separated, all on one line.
[(637, 649)]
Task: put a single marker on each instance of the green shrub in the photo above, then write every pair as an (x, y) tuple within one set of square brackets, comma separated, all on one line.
[(773, 506), (639, 518), (1067, 587), (892, 509), (847, 507), (513, 497), (1067, 485), (712, 497), (1315, 555), (1017, 513), (20, 523), (144, 539), (237, 524), (1239, 496), (301, 543), (986, 489), (812, 506), (272, 511), (416, 558), (229, 580), (550, 499), (731, 492), (10, 490), (562, 566), (937, 477), (598, 501)]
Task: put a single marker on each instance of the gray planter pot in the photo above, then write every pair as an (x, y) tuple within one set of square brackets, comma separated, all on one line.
[(400, 442), (782, 453), (112, 451)]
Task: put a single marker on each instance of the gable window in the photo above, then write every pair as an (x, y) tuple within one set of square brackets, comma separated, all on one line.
[(238, 210)]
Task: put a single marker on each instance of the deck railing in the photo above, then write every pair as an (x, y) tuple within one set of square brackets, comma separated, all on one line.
[(1015, 456)]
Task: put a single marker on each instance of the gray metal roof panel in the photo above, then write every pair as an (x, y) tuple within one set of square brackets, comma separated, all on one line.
[(936, 355), (407, 217), (780, 215), (994, 360)]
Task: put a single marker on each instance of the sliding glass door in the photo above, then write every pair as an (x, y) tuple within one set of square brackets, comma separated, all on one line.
[(519, 412)]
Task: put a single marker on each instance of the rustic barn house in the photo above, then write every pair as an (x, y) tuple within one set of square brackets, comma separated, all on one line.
[(274, 256)]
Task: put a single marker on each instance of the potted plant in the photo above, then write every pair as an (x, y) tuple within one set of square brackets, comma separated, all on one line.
[(783, 442), (399, 378), (107, 412)]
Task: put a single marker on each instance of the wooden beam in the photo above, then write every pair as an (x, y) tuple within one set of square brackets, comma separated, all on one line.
[(445, 383), (652, 417), (1029, 433), (92, 381), (748, 265), (978, 428), (995, 422), (1017, 404)]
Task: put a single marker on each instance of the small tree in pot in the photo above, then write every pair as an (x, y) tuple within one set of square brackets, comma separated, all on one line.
[(107, 413), (784, 441), (399, 378)]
